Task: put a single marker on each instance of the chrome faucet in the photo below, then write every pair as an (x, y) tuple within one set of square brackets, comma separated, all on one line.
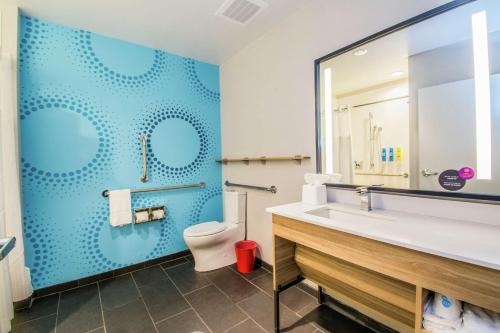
[(365, 198)]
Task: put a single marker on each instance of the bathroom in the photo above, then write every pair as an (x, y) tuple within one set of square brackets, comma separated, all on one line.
[(249, 166)]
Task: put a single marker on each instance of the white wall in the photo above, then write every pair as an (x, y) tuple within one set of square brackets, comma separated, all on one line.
[(268, 95)]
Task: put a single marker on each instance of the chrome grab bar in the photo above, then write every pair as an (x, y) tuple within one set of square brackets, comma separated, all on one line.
[(6, 245), (144, 177), (273, 189), (105, 193), (428, 172)]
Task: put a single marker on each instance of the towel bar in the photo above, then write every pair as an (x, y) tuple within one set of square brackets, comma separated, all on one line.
[(273, 189), (105, 193)]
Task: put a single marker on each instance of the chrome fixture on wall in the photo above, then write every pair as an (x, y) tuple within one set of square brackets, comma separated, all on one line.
[(144, 140), (273, 189), (6, 245), (365, 198), (105, 193), (428, 173)]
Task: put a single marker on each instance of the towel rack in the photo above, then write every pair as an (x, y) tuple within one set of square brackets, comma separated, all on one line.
[(273, 189), (404, 175), (105, 193), (264, 159)]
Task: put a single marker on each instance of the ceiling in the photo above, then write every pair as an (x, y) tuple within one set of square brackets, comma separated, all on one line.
[(390, 54), (184, 27)]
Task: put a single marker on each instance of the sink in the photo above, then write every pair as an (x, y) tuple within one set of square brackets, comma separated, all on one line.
[(338, 213), (6, 245)]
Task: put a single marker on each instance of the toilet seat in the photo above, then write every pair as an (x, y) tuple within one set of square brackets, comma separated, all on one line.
[(204, 229)]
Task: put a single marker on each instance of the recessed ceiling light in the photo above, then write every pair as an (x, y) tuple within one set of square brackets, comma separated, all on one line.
[(397, 73), (360, 52)]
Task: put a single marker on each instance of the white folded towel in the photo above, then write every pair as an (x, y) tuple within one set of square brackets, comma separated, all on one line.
[(446, 307), (481, 320), (437, 324), (120, 208)]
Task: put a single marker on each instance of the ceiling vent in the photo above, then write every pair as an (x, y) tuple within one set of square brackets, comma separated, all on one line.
[(241, 11)]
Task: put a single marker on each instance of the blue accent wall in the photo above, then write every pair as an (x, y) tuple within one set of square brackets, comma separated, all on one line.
[(84, 101)]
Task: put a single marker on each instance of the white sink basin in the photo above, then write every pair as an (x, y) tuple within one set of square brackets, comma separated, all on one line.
[(347, 214)]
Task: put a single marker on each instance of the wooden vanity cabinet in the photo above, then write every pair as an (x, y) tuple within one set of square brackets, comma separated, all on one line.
[(385, 282)]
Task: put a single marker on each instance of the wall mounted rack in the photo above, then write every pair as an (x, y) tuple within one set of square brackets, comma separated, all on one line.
[(404, 175), (264, 159), (273, 189), (105, 193)]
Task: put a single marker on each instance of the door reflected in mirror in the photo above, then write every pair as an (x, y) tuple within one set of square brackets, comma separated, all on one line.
[(418, 108)]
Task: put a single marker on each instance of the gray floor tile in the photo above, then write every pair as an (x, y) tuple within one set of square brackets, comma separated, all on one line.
[(41, 307), (174, 262), (258, 271), (41, 325), (149, 275), (118, 291), (186, 322), (260, 308), (163, 299), (129, 318), (216, 310), (296, 299), (186, 278), (190, 258), (308, 289), (248, 326), (329, 320), (79, 310), (265, 282), (232, 284)]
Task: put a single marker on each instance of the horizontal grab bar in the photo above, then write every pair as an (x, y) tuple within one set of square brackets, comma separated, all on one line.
[(264, 159), (6, 245), (404, 175), (273, 189), (105, 193)]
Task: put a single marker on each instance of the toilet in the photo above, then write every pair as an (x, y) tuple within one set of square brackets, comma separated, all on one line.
[(212, 243)]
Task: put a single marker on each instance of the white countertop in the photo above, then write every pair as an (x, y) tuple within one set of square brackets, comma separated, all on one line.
[(470, 242)]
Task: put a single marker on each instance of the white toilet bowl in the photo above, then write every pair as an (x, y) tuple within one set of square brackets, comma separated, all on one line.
[(212, 243)]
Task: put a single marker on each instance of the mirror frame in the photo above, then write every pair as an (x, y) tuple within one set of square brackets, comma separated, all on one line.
[(456, 196)]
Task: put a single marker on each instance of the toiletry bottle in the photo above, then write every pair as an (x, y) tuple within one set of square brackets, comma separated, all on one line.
[(391, 154), (384, 155), (398, 154)]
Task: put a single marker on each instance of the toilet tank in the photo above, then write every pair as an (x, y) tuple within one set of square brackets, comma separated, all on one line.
[(235, 206)]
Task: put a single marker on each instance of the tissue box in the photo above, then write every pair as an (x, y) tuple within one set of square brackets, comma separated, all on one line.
[(314, 194)]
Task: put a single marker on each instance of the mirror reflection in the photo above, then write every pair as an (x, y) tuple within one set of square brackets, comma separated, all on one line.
[(419, 108)]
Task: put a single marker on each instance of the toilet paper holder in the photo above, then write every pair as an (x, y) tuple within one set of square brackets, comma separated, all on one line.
[(149, 214)]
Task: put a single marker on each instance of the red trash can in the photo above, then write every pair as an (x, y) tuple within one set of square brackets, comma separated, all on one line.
[(245, 255)]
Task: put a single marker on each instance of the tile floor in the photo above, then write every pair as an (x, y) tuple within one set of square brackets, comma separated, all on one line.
[(172, 297)]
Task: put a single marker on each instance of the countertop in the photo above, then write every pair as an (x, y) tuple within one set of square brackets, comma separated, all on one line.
[(465, 241)]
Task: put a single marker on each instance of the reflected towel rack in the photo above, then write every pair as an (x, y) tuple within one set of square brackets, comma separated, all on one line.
[(105, 193), (264, 159), (273, 189), (404, 175)]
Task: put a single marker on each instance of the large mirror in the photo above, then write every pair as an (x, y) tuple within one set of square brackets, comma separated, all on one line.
[(418, 108)]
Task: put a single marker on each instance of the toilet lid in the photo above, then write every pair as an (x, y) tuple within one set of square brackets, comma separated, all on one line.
[(205, 229)]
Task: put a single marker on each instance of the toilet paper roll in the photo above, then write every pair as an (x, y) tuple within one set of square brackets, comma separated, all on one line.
[(446, 307), (158, 214), (141, 217)]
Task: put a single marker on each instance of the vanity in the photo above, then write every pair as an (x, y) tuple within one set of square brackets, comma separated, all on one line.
[(384, 263), (412, 111)]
